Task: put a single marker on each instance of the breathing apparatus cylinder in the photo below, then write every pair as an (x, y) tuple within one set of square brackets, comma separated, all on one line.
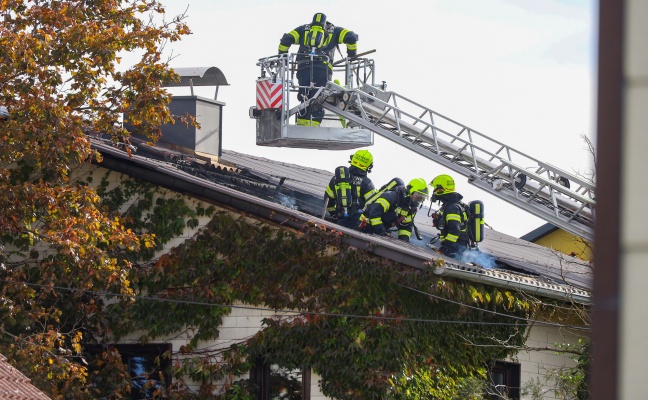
[(477, 220)]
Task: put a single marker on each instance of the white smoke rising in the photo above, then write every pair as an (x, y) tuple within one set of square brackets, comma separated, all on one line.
[(477, 257), (286, 201)]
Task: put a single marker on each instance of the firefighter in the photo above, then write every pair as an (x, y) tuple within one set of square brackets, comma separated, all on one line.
[(451, 218), (395, 208), (360, 188), (317, 43)]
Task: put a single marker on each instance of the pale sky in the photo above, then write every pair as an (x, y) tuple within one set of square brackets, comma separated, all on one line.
[(520, 71)]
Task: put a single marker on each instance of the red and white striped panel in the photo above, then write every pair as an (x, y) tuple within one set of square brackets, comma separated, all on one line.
[(268, 95)]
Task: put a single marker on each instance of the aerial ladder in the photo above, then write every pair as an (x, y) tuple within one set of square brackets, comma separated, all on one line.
[(358, 108)]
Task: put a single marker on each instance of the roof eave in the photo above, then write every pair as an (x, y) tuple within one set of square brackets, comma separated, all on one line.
[(504, 280)]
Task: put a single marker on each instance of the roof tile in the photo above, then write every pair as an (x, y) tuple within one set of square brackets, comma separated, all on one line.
[(16, 386)]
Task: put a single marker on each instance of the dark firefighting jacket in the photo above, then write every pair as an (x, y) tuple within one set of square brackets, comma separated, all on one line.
[(362, 188), (334, 36), (451, 220), (391, 209)]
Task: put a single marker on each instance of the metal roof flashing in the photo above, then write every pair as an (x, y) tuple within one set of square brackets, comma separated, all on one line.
[(539, 232), (504, 279)]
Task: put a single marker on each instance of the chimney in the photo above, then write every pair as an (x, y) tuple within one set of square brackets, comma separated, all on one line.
[(205, 140)]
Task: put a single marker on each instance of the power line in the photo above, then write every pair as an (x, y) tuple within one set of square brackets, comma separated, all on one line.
[(493, 312), (199, 303)]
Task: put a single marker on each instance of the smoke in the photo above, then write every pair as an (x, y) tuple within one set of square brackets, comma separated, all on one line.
[(477, 257), (469, 256), (286, 201)]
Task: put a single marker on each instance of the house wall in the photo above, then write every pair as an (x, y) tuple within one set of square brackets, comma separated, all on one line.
[(538, 365), (246, 320), (116, 179), (566, 243), (243, 322)]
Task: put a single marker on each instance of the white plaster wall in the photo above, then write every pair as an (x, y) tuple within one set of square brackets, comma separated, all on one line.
[(633, 346), (541, 364), (115, 179), (243, 322)]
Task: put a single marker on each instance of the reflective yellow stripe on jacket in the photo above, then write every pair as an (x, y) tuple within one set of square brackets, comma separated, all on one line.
[(343, 34), (331, 200), (454, 217), (404, 232)]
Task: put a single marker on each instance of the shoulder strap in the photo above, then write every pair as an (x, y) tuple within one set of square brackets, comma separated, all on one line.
[(343, 189)]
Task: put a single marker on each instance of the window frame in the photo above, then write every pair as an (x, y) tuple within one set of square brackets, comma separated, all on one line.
[(129, 350), (260, 375), (511, 373)]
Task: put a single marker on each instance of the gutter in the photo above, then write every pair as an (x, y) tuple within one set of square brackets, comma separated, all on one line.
[(506, 280)]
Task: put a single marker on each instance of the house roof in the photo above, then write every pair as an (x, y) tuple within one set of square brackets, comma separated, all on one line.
[(292, 195), (539, 232), (15, 385), (308, 179), (513, 252)]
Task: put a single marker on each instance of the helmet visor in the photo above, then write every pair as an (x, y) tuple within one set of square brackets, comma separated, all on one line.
[(439, 190), (418, 197)]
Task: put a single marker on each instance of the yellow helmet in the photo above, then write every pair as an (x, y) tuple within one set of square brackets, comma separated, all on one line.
[(363, 160), (442, 184), (418, 191), (417, 185)]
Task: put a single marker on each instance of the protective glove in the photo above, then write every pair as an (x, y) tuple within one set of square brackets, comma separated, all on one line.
[(362, 224)]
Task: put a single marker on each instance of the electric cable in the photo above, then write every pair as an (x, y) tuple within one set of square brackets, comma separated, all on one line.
[(494, 312), (199, 303)]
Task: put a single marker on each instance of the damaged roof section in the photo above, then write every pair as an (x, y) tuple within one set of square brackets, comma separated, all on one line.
[(306, 179), (247, 174), (292, 195)]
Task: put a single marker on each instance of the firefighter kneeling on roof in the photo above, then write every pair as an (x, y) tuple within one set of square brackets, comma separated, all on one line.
[(395, 208), (461, 226), (349, 190)]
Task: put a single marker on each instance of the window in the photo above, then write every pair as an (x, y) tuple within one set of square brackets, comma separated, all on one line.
[(146, 373), (504, 381), (278, 383)]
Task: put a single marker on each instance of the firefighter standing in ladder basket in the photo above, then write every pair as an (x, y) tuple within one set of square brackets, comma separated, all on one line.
[(317, 43)]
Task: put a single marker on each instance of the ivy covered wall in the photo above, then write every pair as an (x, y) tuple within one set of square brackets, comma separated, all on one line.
[(365, 324)]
